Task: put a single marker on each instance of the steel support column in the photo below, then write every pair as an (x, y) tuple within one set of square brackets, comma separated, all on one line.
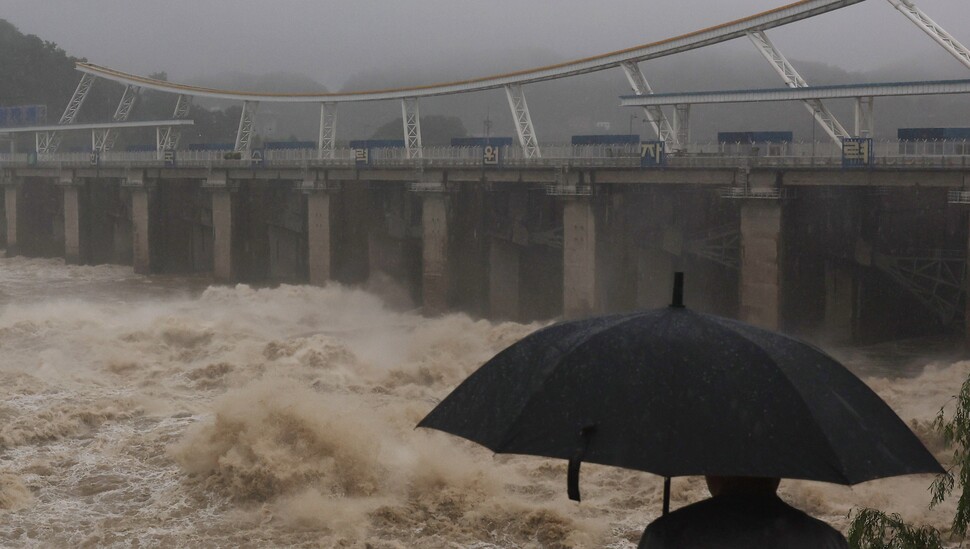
[(523, 121), (171, 135), (864, 121), (104, 140), (792, 79), (326, 144), (247, 122), (682, 124), (655, 115), (412, 126), (935, 31)]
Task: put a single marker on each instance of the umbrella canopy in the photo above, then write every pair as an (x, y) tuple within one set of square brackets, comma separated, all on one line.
[(675, 392)]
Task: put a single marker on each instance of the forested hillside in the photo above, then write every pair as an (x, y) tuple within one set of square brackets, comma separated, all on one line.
[(34, 71)]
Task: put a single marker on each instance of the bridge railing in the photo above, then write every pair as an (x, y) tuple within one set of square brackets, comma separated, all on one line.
[(712, 155)]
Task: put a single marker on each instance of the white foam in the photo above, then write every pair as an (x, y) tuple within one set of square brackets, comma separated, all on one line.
[(285, 416)]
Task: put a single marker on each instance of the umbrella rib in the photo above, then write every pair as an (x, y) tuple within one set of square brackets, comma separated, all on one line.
[(811, 413), (513, 428)]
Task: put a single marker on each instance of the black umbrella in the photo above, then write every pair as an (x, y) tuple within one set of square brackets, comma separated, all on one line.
[(676, 392)]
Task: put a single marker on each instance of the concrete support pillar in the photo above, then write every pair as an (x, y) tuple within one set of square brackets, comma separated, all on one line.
[(223, 210), (839, 304), (435, 282), (503, 280), (141, 219), (580, 289), (320, 237), (13, 206), (760, 281), (73, 224)]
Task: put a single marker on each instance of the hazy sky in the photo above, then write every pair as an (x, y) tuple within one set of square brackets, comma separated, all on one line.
[(331, 41)]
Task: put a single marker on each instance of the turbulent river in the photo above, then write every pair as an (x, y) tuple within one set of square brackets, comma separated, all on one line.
[(147, 412)]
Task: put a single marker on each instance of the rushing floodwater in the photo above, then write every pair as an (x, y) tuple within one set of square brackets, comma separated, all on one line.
[(158, 412)]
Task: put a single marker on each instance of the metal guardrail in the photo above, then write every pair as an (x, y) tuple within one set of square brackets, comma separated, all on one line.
[(958, 197), (569, 190), (823, 155), (756, 193), (426, 187)]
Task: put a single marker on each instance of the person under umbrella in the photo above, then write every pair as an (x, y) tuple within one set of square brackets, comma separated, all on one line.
[(742, 512), (679, 393)]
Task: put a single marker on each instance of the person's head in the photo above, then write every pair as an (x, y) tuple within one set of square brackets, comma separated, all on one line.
[(720, 486)]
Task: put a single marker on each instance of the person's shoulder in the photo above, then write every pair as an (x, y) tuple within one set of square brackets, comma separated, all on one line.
[(663, 532), (809, 527), (765, 521)]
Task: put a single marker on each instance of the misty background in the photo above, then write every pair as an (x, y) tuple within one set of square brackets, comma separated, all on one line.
[(304, 46)]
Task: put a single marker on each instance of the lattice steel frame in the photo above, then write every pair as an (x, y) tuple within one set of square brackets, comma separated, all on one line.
[(247, 123), (523, 121), (52, 140), (170, 136), (327, 143), (935, 279), (655, 115), (935, 31), (80, 94), (721, 245), (411, 115), (104, 140), (793, 79)]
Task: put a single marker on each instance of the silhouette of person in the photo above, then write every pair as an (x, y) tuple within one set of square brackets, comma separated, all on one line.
[(742, 512)]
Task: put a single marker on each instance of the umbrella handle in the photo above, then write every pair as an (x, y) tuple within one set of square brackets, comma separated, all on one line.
[(572, 478), (572, 473), (666, 508)]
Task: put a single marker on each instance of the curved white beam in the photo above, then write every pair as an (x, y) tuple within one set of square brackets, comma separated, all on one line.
[(777, 17), (839, 91)]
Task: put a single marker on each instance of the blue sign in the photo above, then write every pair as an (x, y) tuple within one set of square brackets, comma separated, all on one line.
[(492, 155), (26, 115), (857, 152), (653, 153), (362, 156), (95, 158), (169, 156)]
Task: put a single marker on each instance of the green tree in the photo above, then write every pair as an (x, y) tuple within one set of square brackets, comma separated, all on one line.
[(873, 529), (38, 72)]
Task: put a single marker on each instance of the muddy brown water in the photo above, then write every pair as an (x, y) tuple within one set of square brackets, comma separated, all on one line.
[(159, 412)]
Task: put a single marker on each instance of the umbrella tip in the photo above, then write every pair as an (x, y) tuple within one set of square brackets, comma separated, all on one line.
[(678, 300)]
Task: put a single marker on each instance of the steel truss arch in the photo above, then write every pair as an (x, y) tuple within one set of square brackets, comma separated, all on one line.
[(105, 140), (170, 136), (327, 142), (935, 31), (784, 15), (523, 122), (49, 142), (654, 115), (247, 126), (411, 115), (793, 79)]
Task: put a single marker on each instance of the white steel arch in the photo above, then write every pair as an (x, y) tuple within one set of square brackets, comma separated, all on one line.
[(777, 17)]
